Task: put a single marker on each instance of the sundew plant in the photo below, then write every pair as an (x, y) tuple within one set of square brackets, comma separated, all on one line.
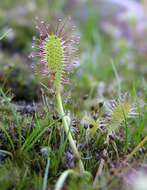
[(56, 49), (73, 108)]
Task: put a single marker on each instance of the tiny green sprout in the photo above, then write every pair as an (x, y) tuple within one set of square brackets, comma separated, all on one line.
[(56, 50), (92, 126)]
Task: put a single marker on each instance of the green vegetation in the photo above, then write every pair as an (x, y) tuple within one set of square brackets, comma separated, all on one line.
[(105, 105)]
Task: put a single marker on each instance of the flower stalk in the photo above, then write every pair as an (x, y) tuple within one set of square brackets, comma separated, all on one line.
[(67, 131)]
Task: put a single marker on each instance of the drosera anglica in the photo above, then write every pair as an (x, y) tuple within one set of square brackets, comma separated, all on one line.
[(56, 49), (118, 111)]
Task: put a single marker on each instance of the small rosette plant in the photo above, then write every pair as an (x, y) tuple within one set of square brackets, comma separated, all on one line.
[(111, 117), (118, 111)]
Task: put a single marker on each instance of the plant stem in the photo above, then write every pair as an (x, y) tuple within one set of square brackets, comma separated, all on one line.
[(5, 34), (99, 170), (68, 133), (129, 156), (62, 178), (44, 187)]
